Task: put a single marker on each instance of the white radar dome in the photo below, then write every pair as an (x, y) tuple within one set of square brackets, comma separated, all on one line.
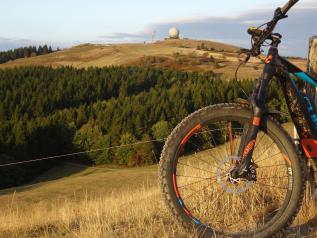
[(174, 33)]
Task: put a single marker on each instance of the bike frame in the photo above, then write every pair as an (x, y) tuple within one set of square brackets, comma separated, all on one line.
[(301, 108)]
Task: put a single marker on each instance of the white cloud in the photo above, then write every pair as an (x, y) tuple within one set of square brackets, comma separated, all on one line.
[(233, 30)]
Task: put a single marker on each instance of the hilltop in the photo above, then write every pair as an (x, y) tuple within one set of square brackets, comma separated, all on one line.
[(185, 55)]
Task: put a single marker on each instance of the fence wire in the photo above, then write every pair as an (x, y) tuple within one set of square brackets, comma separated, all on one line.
[(78, 153)]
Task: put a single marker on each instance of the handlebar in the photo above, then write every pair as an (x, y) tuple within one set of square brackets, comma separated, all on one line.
[(262, 35), (288, 6)]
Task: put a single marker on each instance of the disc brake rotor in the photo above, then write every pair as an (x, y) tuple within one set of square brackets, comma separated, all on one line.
[(226, 182)]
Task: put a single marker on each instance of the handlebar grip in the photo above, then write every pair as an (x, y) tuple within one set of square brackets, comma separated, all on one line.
[(255, 31), (288, 6)]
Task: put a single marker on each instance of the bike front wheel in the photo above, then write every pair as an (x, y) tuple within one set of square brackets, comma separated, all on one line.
[(195, 176)]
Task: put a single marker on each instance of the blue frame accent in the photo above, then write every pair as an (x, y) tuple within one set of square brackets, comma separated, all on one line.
[(305, 77), (197, 221), (180, 201)]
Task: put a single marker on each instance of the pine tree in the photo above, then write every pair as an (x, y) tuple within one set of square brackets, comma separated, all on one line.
[(126, 154), (40, 50), (45, 50)]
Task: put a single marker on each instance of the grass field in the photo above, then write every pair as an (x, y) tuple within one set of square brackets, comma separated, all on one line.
[(171, 54), (100, 202), (95, 202)]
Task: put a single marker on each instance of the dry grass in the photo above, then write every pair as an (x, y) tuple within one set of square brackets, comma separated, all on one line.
[(125, 212), (108, 202), (87, 55), (135, 213)]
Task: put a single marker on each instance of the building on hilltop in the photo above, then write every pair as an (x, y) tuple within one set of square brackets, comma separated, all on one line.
[(174, 34)]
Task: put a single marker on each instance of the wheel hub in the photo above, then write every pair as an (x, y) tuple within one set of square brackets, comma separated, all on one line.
[(234, 184)]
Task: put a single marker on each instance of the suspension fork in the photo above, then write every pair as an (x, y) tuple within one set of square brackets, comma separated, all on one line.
[(257, 101)]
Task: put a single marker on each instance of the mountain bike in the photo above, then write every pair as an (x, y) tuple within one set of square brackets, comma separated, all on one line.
[(231, 170)]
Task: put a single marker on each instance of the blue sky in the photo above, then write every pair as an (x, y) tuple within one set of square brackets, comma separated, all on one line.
[(68, 22)]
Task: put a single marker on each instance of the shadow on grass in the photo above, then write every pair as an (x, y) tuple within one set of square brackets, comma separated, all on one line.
[(63, 170), (308, 229)]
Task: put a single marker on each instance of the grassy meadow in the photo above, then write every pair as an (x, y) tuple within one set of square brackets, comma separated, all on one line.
[(101, 202), (95, 202)]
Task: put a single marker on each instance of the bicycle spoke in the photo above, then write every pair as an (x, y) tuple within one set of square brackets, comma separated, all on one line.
[(200, 190), (274, 177), (202, 160), (237, 144), (258, 141), (226, 146), (194, 167), (270, 166), (263, 153), (205, 179), (180, 175), (272, 186), (257, 162), (213, 202), (219, 129), (231, 137), (208, 154), (216, 146), (200, 151), (195, 193)]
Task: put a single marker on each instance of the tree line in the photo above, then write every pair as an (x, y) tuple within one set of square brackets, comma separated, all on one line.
[(24, 52), (47, 112)]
